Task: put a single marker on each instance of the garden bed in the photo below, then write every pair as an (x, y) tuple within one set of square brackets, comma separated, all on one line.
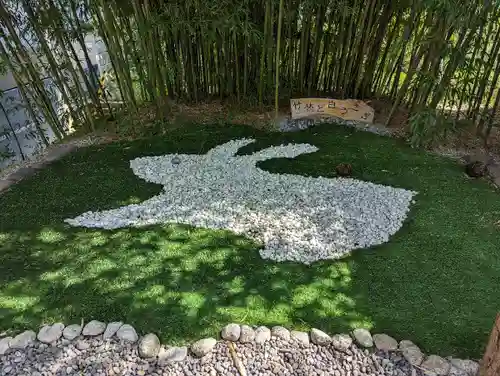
[(431, 282)]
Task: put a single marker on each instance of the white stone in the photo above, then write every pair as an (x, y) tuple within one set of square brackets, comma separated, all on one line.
[(247, 334), (5, 345), (411, 352), (280, 332), (127, 333), (463, 367), (149, 346), (385, 342), (72, 331), (300, 337), (231, 332), (262, 335), (172, 354), (363, 337), (203, 346), (319, 337), (23, 340), (50, 333), (111, 329), (93, 328), (297, 218), (436, 365), (341, 342)]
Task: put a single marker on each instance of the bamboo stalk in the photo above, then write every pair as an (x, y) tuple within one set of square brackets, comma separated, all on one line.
[(278, 45)]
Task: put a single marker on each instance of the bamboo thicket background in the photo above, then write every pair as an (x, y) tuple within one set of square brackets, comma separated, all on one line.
[(439, 58)]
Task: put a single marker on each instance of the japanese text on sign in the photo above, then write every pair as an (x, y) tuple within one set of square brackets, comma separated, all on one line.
[(348, 109)]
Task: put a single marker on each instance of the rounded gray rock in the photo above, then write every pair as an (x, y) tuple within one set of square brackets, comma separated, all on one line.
[(280, 332), (172, 354), (111, 329), (341, 342), (203, 346), (5, 345), (72, 331), (319, 337), (301, 337), (363, 337), (127, 333), (411, 352), (23, 340), (93, 328), (436, 365), (460, 367), (50, 333), (149, 346), (384, 342), (262, 335), (247, 334), (231, 332)]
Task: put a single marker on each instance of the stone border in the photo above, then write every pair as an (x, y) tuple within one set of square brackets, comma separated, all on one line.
[(149, 345)]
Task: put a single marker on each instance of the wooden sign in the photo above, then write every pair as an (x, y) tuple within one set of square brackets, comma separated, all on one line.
[(490, 365), (348, 109)]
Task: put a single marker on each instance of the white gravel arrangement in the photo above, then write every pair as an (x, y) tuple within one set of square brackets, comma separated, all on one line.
[(298, 218)]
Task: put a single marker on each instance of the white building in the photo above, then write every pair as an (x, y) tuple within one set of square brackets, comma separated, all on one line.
[(18, 117)]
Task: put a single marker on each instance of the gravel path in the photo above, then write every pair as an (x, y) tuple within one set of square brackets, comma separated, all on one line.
[(275, 357), (17, 171), (116, 349)]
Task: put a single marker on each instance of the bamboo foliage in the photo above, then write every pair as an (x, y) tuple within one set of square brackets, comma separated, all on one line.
[(441, 55)]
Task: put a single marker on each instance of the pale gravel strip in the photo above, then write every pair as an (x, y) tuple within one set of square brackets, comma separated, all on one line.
[(274, 358), (42, 156)]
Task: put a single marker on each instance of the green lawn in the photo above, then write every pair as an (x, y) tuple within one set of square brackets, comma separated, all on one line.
[(436, 282)]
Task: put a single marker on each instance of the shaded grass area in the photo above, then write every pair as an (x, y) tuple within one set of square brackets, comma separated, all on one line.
[(436, 282)]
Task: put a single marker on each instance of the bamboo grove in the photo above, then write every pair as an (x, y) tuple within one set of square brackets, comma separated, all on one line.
[(441, 56)]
